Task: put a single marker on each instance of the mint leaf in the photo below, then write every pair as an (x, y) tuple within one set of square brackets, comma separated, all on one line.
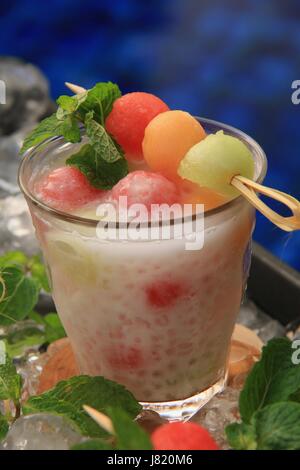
[(129, 435), (69, 396), (13, 257), (274, 378), (93, 444), (241, 436), (3, 427), (101, 141), (38, 272), (19, 294), (48, 127), (70, 130), (100, 99), (67, 105), (51, 127), (24, 336), (36, 317), (53, 328), (10, 381), (33, 266), (101, 174), (277, 427)]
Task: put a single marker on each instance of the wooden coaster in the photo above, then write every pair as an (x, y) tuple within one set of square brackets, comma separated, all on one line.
[(244, 352), (61, 365)]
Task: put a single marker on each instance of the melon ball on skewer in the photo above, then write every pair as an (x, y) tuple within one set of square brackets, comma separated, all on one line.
[(167, 139), (192, 193), (130, 115), (214, 161)]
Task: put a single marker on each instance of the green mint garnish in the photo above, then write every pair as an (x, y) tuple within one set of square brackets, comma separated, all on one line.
[(100, 99), (100, 173), (19, 294), (30, 265), (274, 378), (101, 141), (24, 336), (103, 162), (51, 127), (274, 427), (10, 380), (128, 434), (3, 427), (269, 402), (37, 270), (277, 427), (69, 396), (241, 436), (54, 329), (21, 279)]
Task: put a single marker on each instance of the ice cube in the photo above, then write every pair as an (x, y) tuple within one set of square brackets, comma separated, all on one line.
[(40, 432)]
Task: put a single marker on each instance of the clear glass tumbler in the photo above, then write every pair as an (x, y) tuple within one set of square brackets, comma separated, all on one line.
[(148, 314)]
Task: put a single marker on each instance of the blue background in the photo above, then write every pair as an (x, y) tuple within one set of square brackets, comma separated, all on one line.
[(232, 60)]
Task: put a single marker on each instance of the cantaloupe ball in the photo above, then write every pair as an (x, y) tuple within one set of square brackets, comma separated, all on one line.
[(215, 160), (167, 139), (192, 193)]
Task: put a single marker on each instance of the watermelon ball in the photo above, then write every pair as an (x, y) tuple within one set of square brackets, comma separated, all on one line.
[(167, 139), (66, 189), (182, 436), (130, 115), (214, 161), (142, 187)]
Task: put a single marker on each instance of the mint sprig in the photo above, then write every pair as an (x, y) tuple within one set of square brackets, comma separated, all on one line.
[(52, 127), (21, 279), (269, 402), (22, 337), (54, 329), (18, 293), (10, 381), (69, 396), (100, 99), (274, 378), (100, 173), (103, 161), (128, 435), (3, 427), (31, 265)]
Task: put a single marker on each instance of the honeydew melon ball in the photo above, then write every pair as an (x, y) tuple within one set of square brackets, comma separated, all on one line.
[(215, 160)]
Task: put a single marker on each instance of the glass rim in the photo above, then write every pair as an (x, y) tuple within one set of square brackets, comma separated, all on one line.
[(72, 218)]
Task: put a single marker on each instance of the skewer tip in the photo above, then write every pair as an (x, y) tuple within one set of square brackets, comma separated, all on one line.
[(104, 421), (75, 88)]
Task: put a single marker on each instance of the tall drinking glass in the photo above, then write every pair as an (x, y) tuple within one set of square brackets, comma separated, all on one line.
[(149, 314)]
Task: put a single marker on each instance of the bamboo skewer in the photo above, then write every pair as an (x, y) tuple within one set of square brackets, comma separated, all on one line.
[(249, 190), (104, 421), (75, 88)]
